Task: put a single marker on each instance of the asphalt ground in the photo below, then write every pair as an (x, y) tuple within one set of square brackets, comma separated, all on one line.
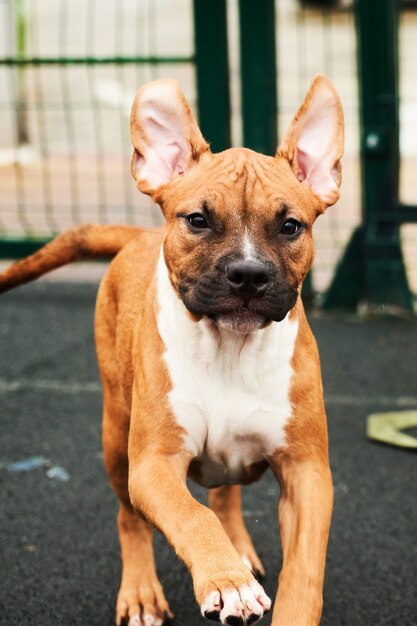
[(58, 543)]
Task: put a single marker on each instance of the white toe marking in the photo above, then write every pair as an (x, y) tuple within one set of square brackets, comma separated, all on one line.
[(260, 595), (211, 603), (232, 605), (243, 602), (250, 602), (135, 621)]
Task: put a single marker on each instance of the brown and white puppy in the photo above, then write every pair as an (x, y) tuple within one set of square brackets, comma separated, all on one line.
[(208, 364)]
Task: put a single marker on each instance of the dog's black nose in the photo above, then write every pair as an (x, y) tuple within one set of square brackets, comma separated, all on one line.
[(248, 278)]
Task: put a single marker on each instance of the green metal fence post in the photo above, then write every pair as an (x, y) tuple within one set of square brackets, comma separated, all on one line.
[(378, 59), (212, 71), (21, 28), (373, 259), (258, 75)]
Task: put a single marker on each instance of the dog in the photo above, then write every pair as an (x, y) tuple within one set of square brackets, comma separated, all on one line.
[(208, 364)]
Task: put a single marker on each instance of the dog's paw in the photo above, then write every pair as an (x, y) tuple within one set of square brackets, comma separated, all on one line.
[(142, 606), (236, 605)]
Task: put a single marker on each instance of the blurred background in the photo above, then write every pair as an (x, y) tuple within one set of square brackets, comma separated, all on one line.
[(69, 70), (68, 73)]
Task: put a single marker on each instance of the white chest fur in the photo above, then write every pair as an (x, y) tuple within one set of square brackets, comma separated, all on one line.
[(230, 392)]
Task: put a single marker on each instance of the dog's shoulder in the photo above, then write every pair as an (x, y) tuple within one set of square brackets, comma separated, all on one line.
[(124, 287), (122, 297), (133, 267)]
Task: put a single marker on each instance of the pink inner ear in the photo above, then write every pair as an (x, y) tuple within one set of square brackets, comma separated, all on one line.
[(311, 167), (313, 144), (165, 150), (316, 151), (320, 174), (303, 164)]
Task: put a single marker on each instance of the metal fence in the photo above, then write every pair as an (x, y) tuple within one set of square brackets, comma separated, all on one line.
[(68, 77), (68, 72)]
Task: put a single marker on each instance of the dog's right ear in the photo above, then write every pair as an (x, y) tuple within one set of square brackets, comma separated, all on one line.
[(165, 135), (313, 144)]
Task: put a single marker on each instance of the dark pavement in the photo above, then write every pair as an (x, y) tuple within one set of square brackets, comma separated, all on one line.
[(58, 544)]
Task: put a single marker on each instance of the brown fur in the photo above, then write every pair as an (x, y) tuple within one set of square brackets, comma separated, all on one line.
[(243, 192)]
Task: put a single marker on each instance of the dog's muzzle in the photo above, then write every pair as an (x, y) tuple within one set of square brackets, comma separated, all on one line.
[(245, 296)]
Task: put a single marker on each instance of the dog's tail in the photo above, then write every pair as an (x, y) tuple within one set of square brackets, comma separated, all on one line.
[(81, 242)]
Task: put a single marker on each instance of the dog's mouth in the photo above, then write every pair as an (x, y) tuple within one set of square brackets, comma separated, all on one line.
[(241, 320), (228, 311)]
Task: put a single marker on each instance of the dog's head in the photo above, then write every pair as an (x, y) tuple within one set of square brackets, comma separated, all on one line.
[(238, 242)]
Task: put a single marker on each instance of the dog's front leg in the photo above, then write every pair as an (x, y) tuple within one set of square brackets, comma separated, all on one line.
[(224, 587), (305, 510)]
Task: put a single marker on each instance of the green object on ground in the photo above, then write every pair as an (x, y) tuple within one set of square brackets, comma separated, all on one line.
[(387, 427)]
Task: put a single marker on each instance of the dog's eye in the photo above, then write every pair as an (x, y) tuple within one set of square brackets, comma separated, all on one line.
[(197, 221), (290, 227)]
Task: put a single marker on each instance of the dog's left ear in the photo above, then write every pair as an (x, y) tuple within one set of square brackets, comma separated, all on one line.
[(314, 141), (165, 135)]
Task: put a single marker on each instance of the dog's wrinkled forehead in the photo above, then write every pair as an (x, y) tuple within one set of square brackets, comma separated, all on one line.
[(255, 180), (241, 189)]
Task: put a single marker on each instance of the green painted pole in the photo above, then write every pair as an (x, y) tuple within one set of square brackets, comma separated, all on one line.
[(22, 126), (372, 268), (258, 75), (377, 27), (212, 71)]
